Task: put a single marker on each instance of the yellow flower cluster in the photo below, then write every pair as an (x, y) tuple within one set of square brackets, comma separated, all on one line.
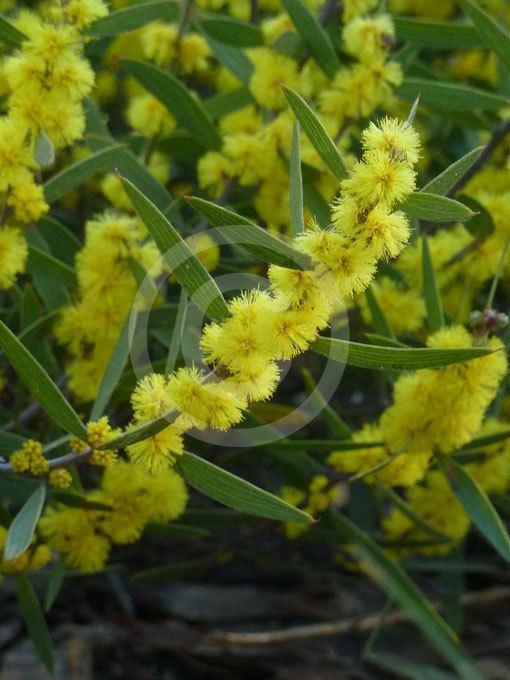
[(46, 82), (29, 458), (433, 410), (132, 497), (266, 326), (90, 327), (357, 90)]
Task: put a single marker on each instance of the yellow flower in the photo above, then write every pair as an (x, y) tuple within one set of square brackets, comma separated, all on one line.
[(271, 71)]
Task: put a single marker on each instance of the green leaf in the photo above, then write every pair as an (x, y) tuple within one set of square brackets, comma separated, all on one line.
[(170, 572), (449, 96), (232, 32), (77, 500), (129, 18), (316, 445), (34, 621), (326, 412), (233, 59), (33, 375), (115, 367), (437, 34), (128, 164), (398, 667), (185, 106), (412, 358), (317, 204), (397, 584), (481, 225), (380, 323), (217, 215), (260, 242), (434, 208), (61, 240), (175, 343), (44, 151), (73, 176), (433, 304), (140, 432), (315, 37), (408, 511), (55, 583), (9, 34), (487, 440), (188, 270), (480, 509), (297, 219), (316, 133), (494, 36), (22, 528), (236, 493), (448, 178), (227, 102), (40, 260)]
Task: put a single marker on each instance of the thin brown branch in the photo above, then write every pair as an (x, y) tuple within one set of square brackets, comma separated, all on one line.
[(496, 595)]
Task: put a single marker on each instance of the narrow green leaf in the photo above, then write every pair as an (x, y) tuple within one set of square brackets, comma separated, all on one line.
[(77, 500), (434, 208), (380, 323), (236, 493), (140, 432), (480, 442), (297, 219), (493, 34), (480, 509), (448, 178), (55, 583), (73, 176), (449, 96), (433, 304), (407, 510), (34, 621), (233, 32), (384, 340), (316, 445), (44, 151), (127, 164), (316, 133), (175, 343), (38, 259), (441, 35), (327, 412), (317, 204), (33, 375), (130, 18), (22, 528), (170, 572), (397, 584), (61, 240), (315, 37), (233, 59), (412, 358), (188, 270), (398, 667), (185, 106), (227, 102), (9, 34), (260, 242), (115, 367), (481, 225), (217, 215)]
